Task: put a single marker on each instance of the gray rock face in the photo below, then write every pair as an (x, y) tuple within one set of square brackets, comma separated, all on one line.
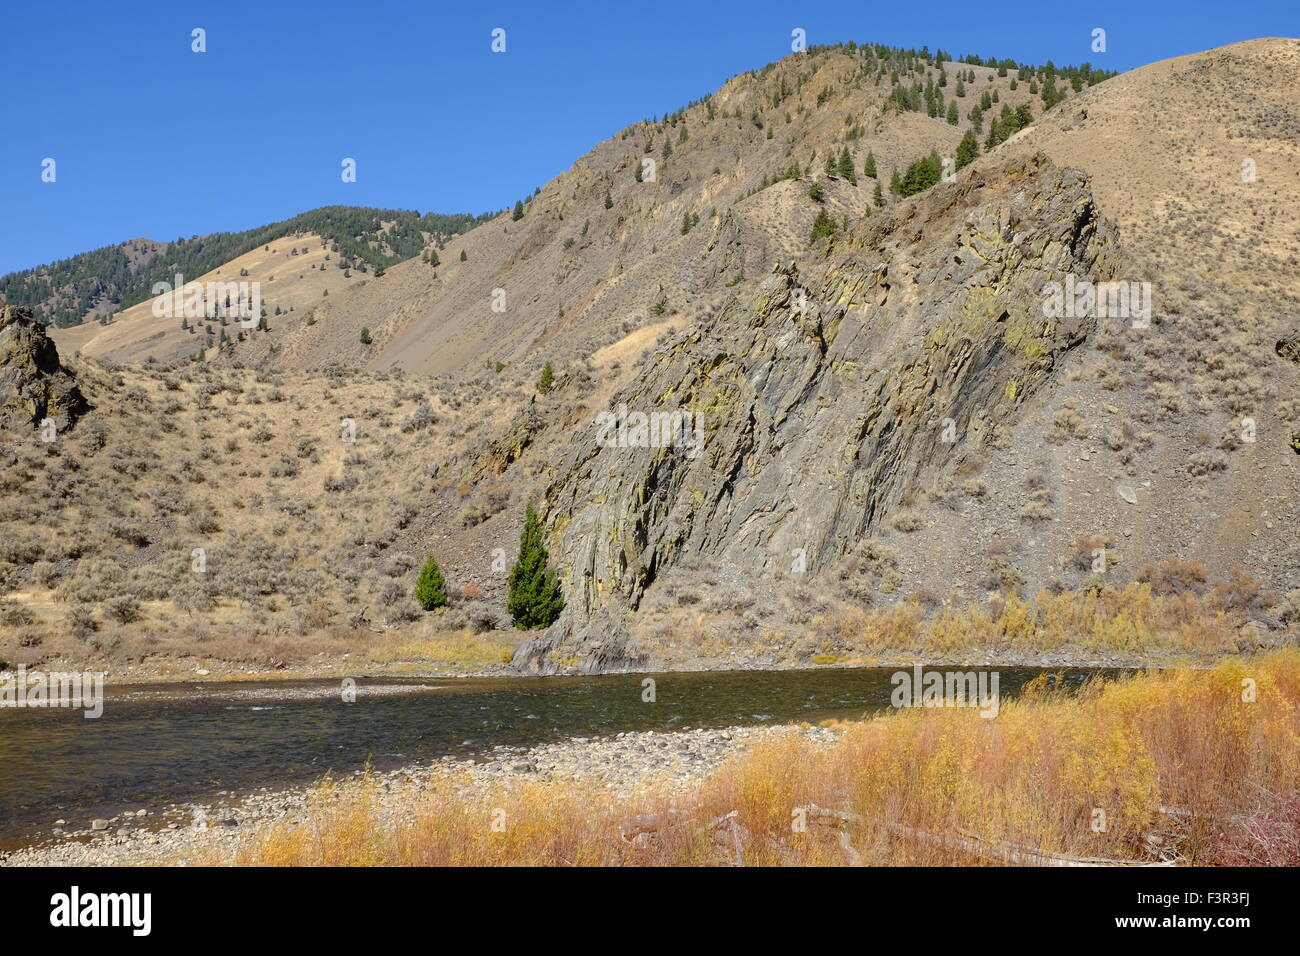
[(889, 359), (34, 385)]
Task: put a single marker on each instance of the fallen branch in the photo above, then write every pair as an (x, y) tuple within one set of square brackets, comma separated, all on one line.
[(998, 850)]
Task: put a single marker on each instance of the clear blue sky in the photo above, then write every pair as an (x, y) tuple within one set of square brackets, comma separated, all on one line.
[(154, 140)]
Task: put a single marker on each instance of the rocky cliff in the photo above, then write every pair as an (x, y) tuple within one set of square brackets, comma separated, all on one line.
[(34, 385), (855, 378)]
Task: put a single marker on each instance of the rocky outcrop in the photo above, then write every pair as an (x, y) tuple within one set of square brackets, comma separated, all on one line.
[(888, 358), (34, 385)]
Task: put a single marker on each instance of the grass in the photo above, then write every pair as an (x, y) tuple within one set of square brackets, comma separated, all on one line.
[(1134, 621), (1084, 775), (464, 650)]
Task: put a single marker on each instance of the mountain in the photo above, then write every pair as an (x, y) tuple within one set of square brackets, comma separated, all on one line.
[(1174, 436), (727, 195), (881, 404), (94, 286)]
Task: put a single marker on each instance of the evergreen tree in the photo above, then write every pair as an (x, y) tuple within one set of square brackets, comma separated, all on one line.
[(879, 197), (846, 166), (535, 599), (365, 337), (895, 182), (431, 588), (870, 168), (921, 175), (547, 381), (519, 210), (967, 149), (609, 200), (463, 256), (823, 226), (952, 113)]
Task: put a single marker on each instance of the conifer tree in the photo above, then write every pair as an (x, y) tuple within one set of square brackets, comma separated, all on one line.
[(967, 149), (519, 210), (535, 599), (846, 166), (431, 588), (870, 168), (547, 381)]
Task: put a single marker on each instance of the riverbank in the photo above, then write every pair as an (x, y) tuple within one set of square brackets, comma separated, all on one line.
[(1129, 627), (1188, 766), (619, 767), (200, 671)]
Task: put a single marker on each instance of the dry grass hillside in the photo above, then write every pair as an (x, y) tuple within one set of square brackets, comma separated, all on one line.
[(294, 273)]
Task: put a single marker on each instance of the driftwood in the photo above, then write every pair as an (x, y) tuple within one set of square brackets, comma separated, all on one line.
[(727, 828), (997, 850), (644, 831)]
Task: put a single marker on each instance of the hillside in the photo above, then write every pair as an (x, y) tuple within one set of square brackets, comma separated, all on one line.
[(893, 427), (579, 275), (1124, 446)]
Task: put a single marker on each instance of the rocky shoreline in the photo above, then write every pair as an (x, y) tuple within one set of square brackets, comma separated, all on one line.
[(173, 671), (201, 833)]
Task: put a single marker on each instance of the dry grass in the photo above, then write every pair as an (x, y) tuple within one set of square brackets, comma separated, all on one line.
[(797, 626), (1041, 776), (463, 650)]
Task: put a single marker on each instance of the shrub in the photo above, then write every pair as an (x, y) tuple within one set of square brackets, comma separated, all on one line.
[(80, 621), (431, 588)]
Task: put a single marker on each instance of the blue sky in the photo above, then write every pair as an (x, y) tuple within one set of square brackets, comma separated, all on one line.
[(152, 139)]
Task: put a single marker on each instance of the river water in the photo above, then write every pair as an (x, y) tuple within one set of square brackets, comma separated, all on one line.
[(162, 744)]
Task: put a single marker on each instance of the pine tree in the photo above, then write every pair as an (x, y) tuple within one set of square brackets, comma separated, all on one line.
[(879, 197), (431, 588), (870, 168), (547, 381), (535, 599), (952, 113), (463, 256), (519, 210), (824, 225), (967, 149), (609, 200), (895, 182), (846, 166)]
